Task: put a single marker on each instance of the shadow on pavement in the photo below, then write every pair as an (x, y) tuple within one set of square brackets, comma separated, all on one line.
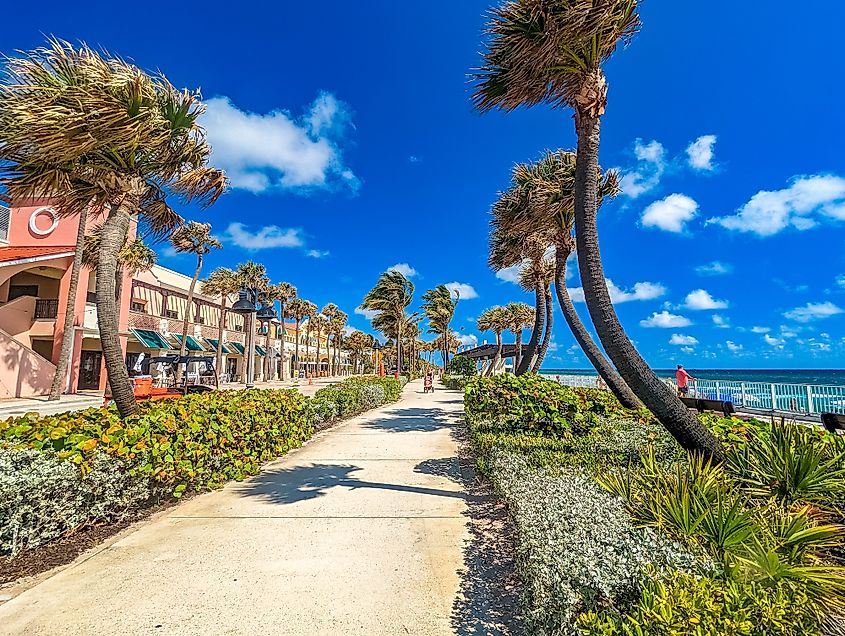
[(412, 420)]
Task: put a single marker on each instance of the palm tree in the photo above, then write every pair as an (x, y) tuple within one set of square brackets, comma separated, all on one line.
[(529, 275), (439, 307), (298, 310), (251, 275), (520, 316), (81, 130), (337, 325), (552, 51), (390, 296), (310, 311), (330, 312), (549, 187), (358, 343), (192, 238), (320, 323), (221, 282), (284, 293), (494, 319)]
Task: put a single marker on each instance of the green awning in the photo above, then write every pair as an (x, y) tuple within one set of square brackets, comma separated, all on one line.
[(151, 339), (239, 348), (212, 342), (193, 345), (259, 351)]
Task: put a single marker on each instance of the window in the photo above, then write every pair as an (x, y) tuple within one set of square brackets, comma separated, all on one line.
[(16, 291), (171, 313), (138, 306), (91, 297)]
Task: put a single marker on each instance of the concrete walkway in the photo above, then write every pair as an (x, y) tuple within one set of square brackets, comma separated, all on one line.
[(362, 531)]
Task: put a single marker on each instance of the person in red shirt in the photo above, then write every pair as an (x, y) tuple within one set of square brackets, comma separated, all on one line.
[(682, 378)]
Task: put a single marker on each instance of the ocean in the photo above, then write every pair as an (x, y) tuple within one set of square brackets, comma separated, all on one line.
[(829, 377)]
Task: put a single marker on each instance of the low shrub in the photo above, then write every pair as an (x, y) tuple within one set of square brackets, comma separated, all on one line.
[(461, 365), (372, 396), (347, 398), (324, 411), (734, 432), (42, 496), (455, 382)]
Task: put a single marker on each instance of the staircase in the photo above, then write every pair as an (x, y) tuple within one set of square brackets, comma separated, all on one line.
[(23, 372)]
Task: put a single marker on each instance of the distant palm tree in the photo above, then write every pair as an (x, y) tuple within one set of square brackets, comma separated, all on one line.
[(520, 317), (134, 257), (330, 312), (390, 296), (337, 324), (319, 323), (494, 319), (552, 51), (192, 238), (222, 282), (86, 130), (284, 293), (439, 305), (544, 271), (254, 276), (310, 312)]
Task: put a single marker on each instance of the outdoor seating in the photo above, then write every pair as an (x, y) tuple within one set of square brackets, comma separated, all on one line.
[(702, 404), (834, 422)]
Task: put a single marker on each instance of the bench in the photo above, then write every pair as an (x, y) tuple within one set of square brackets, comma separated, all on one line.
[(833, 422), (700, 404)]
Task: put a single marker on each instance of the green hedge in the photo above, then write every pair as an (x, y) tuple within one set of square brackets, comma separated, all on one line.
[(455, 382)]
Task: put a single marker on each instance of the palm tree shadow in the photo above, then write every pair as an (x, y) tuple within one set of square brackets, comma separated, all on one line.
[(412, 420)]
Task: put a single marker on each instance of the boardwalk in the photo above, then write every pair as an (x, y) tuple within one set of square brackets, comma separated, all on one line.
[(365, 530)]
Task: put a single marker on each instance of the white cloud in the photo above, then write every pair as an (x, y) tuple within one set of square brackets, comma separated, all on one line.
[(701, 299), (468, 340), (680, 339), (733, 347), (404, 269), (720, 321), (665, 320), (807, 201), (509, 274), (760, 330), (840, 280), (267, 237), (369, 314), (465, 290), (716, 268), (640, 291), (670, 214), (277, 151), (646, 175), (700, 153), (349, 330), (317, 253), (774, 342), (414, 159), (813, 311)]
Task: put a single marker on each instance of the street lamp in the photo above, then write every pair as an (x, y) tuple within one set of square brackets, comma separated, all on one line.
[(246, 305), (376, 348)]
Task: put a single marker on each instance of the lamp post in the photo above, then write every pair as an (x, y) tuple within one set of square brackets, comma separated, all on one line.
[(247, 306), (376, 347)]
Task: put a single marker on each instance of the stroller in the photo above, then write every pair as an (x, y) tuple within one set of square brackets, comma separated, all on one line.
[(428, 384)]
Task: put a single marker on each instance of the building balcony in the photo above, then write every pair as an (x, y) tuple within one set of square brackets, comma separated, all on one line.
[(46, 308)]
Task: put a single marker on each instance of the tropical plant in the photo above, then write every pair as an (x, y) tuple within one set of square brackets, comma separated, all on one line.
[(439, 306), (496, 320), (298, 309), (310, 312), (86, 130), (192, 238), (461, 365), (359, 343), (222, 282), (552, 51), (284, 293), (390, 296), (542, 273), (520, 317), (251, 275), (319, 323)]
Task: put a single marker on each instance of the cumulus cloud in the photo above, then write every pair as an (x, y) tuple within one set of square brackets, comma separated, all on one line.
[(369, 314), (267, 237), (670, 214), (646, 175), (716, 268), (317, 253), (813, 311), (720, 321), (760, 330), (701, 299), (700, 153), (640, 291), (464, 290), (733, 347), (262, 152), (840, 280), (772, 341), (808, 201), (680, 339), (665, 320), (468, 340), (509, 274), (404, 269)]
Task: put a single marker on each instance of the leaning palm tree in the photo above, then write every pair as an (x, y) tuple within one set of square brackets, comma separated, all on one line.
[(494, 319), (390, 296), (222, 282), (544, 271), (192, 238), (251, 275), (86, 130), (553, 51), (134, 257), (549, 187), (520, 317), (439, 305)]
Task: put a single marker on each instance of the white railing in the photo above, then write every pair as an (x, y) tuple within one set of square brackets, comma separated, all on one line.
[(803, 399)]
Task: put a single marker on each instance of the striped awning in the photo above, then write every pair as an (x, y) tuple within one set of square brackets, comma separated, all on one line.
[(237, 346), (212, 342), (192, 344), (151, 339)]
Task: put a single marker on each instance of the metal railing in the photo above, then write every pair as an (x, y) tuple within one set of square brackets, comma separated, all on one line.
[(768, 397), (46, 309)]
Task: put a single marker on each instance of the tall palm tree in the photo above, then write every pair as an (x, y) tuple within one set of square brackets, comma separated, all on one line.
[(221, 282), (192, 238), (496, 320), (330, 312), (553, 51), (337, 325), (520, 316), (319, 323), (390, 296), (439, 305), (549, 187), (310, 311), (82, 129), (542, 271), (134, 257), (297, 309), (254, 276), (284, 293)]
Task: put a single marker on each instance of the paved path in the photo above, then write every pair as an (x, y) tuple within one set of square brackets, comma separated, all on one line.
[(362, 531)]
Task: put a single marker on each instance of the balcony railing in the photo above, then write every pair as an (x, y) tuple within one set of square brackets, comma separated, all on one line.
[(46, 309)]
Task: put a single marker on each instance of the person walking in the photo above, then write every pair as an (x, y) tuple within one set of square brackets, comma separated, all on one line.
[(682, 379)]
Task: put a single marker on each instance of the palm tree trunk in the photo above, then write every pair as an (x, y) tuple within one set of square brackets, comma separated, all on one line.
[(282, 370), (518, 358), (188, 308), (318, 353), (221, 325), (539, 314), (112, 238), (399, 348), (613, 380), (308, 348), (684, 426), (68, 332), (296, 348), (547, 336)]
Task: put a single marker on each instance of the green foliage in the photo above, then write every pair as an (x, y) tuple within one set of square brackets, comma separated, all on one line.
[(701, 606), (455, 382), (732, 431), (461, 365)]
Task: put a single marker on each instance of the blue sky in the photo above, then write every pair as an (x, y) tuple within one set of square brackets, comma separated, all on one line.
[(352, 147)]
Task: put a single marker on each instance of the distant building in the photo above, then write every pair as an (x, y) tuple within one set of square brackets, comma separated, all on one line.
[(36, 255)]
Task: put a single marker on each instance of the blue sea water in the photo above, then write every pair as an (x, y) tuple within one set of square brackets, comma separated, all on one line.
[(830, 377)]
